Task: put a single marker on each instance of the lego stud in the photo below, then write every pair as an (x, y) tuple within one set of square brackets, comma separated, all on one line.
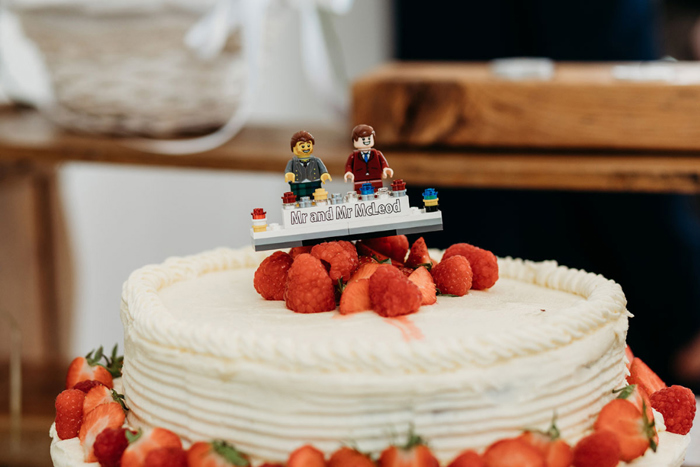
[(430, 200)]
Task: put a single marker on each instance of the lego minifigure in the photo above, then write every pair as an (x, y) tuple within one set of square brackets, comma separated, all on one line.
[(366, 164), (304, 173)]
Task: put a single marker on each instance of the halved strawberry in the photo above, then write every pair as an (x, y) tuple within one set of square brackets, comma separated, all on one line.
[(145, 441), (365, 270), (167, 457), (556, 452), (424, 280), (634, 431), (415, 453), (599, 449), (100, 418), (89, 368), (364, 250), (96, 396), (419, 256), (355, 297), (642, 375), (511, 452), (395, 247), (214, 454), (638, 396), (349, 457), (306, 456), (629, 356)]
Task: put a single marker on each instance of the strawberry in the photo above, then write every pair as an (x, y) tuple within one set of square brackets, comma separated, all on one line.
[(145, 441), (109, 446), (297, 250), (468, 458), (556, 452), (88, 368), (483, 263), (364, 250), (349, 457), (419, 255), (453, 276), (166, 457), (69, 413), (96, 396), (395, 247), (638, 396), (365, 270), (414, 454), (634, 431), (86, 385), (392, 294), (306, 456), (341, 256), (629, 356), (511, 452), (677, 405), (424, 280), (309, 289), (271, 276), (355, 297), (215, 454), (600, 449), (642, 375), (101, 417)]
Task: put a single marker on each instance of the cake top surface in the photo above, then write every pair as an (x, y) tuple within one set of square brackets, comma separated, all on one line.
[(206, 303)]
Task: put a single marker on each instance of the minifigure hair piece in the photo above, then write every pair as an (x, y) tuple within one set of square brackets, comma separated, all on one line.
[(301, 136), (361, 131)]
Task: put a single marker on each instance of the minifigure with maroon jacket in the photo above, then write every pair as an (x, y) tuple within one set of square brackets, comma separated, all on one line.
[(366, 164)]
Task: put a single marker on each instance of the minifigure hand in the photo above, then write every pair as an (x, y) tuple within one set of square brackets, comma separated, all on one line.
[(289, 177), (326, 178), (349, 176), (388, 172)]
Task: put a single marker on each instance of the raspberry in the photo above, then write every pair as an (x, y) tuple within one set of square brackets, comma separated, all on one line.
[(392, 294), (419, 255), (166, 457), (484, 264), (453, 276), (341, 256), (297, 250), (677, 405), (309, 288), (395, 247), (86, 385), (271, 276), (109, 446), (69, 413)]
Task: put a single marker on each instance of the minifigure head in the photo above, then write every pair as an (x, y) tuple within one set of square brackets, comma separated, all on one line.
[(363, 137), (302, 144)]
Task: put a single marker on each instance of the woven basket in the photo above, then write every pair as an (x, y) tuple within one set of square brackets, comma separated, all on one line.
[(131, 74)]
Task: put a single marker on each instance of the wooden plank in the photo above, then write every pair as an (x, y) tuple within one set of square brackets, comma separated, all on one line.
[(31, 138), (583, 106)]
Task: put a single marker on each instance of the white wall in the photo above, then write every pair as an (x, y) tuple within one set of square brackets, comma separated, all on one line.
[(121, 218)]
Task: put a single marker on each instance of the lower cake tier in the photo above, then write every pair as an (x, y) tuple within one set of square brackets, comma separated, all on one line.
[(207, 358)]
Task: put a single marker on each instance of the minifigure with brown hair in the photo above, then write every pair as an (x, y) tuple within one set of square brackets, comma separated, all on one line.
[(366, 164), (304, 172)]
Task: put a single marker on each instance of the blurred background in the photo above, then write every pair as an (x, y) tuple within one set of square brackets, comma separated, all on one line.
[(101, 180)]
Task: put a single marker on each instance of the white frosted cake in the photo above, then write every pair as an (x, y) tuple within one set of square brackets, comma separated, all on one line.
[(208, 358)]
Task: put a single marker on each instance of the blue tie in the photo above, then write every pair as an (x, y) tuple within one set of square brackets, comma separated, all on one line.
[(366, 156)]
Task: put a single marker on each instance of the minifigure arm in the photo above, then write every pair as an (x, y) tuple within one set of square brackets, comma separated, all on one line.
[(348, 168), (386, 170), (289, 177), (289, 172), (325, 176)]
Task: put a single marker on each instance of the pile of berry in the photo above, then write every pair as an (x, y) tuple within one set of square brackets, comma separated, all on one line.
[(380, 274), (92, 411)]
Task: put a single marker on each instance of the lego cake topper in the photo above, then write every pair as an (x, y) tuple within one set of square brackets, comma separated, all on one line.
[(366, 164), (305, 173), (310, 215)]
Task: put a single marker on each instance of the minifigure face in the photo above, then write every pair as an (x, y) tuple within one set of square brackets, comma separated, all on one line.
[(303, 149), (364, 142)]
